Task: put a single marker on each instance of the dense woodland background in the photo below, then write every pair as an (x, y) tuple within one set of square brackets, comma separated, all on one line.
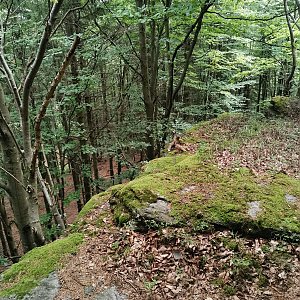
[(90, 85)]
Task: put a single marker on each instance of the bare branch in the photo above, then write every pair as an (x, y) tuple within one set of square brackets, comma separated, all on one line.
[(294, 58), (247, 19), (298, 5), (197, 27), (12, 176), (49, 96), (32, 74), (66, 15), (7, 71), (126, 33), (114, 44)]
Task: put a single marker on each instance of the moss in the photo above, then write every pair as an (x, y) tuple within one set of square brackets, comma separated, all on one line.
[(232, 192), (162, 164), (95, 201), (200, 192), (280, 103), (121, 215), (262, 280), (37, 264), (229, 290), (230, 244)]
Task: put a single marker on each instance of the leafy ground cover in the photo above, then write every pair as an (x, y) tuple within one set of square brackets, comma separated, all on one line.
[(178, 263)]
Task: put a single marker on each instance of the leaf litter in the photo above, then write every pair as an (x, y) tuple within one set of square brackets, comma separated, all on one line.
[(178, 263)]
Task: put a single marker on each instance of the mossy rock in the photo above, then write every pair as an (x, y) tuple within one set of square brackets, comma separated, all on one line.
[(36, 265), (281, 103), (199, 191)]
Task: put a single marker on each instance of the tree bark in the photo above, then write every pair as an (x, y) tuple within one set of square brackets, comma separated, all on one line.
[(288, 82), (8, 232), (17, 190), (146, 85)]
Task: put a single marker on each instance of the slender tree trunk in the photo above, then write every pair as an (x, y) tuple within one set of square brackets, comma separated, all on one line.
[(111, 169), (146, 86), (76, 180), (259, 94), (288, 82), (3, 241), (8, 232)]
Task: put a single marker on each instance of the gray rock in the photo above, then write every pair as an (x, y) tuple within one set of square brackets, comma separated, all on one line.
[(8, 298), (290, 198), (158, 211), (46, 290), (110, 294), (88, 290), (254, 209), (188, 189)]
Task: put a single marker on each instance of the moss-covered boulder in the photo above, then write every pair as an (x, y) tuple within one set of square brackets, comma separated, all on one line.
[(36, 265), (211, 188)]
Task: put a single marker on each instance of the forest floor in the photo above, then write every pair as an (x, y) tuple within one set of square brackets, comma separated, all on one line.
[(195, 263), (179, 263)]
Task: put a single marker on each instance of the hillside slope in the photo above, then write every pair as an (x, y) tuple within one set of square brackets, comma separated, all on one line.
[(221, 219)]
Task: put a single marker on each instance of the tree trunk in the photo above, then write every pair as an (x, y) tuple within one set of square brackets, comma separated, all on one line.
[(76, 180), (111, 169), (3, 240), (288, 82), (259, 93), (146, 85), (8, 233), (25, 215)]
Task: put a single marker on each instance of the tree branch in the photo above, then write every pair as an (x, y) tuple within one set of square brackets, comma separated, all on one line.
[(298, 5), (172, 93), (7, 71), (246, 19), (43, 109), (126, 33), (66, 15), (12, 135), (294, 59), (114, 44), (12, 176), (32, 74)]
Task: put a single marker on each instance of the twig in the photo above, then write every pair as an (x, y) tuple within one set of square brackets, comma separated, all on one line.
[(16, 179), (247, 19), (66, 15)]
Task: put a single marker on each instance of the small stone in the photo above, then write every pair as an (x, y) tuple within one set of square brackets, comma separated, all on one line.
[(177, 255), (88, 290), (290, 198), (110, 294), (268, 293), (254, 209)]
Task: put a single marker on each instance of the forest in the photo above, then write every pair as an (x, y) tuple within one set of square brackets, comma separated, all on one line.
[(92, 91)]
